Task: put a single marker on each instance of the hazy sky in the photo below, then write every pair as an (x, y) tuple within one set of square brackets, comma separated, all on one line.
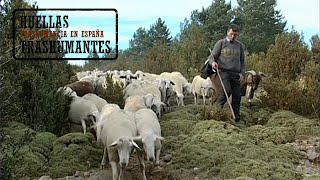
[(303, 15)]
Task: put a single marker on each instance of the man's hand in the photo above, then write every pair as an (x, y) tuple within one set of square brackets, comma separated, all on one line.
[(241, 77), (215, 65)]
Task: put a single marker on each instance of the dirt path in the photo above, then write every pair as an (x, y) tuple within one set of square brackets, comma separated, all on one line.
[(132, 172)]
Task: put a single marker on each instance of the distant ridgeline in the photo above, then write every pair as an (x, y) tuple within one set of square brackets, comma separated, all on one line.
[(36, 36)]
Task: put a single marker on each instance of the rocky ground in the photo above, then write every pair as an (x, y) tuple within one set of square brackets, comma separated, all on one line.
[(199, 144)]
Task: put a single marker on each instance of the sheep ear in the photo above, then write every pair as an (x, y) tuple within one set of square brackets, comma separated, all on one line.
[(262, 74), (160, 138), (135, 145), (137, 138), (114, 144)]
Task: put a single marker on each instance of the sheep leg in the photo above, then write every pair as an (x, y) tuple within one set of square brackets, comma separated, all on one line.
[(121, 173), (114, 168), (195, 98), (83, 123), (158, 156), (204, 99), (103, 162), (142, 164)]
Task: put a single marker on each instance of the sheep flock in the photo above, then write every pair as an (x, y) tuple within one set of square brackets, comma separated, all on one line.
[(136, 127)]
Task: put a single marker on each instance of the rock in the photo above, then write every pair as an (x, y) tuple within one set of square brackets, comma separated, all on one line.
[(167, 158), (76, 174), (312, 155), (86, 174), (45, 178), (196, 170)]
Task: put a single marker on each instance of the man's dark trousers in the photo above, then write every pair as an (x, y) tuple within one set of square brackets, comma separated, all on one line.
[(231, 82)]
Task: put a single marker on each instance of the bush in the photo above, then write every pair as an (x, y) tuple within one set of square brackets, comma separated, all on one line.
[(286, 58), (114, 93), (33, 100), (286, 96)]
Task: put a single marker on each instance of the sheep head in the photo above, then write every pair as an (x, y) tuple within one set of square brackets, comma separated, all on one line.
[(124, 146)]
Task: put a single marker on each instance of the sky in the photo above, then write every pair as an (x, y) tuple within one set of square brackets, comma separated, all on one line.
[(303, 15)]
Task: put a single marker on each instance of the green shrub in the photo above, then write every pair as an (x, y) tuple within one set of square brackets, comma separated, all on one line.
[(114, 93)]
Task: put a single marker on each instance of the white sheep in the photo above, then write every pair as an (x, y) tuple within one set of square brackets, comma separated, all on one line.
[(118, 130), (139, 74), (186, 86), (134, 103), (150, 76), (166, 90), (158, 107), (178, 85), (109, 108), (81, 110), (106, 110), (202, 87), (148, 100), (82, 74), (149, 137), (97, 100), (134, 89), (154, 95), (128, 76)]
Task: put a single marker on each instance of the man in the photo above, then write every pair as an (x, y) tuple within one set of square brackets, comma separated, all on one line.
[(228, 57)]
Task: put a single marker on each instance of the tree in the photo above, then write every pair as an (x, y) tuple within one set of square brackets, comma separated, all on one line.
[(139, 44), (286, 58), (159, 33), (193, 48), (215, 20), (315, 48), (259, 23)]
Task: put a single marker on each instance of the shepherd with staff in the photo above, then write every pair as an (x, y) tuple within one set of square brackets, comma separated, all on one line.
[(228, 60)]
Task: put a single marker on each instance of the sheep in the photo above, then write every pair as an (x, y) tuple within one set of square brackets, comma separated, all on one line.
[(148, 100), (158, 107), (149, 137), (91, 78), (82, 87), (250, 83), (149, 76), (134, 103), (134, 89), (82, 74), (186, 86), (139, 75), (106, 110), (202, 87), (128, 77), (100, 83), (118, 130), (109, 108), (154, 95), (98, 101), (166, 90), (81, 110), (178, 87)]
